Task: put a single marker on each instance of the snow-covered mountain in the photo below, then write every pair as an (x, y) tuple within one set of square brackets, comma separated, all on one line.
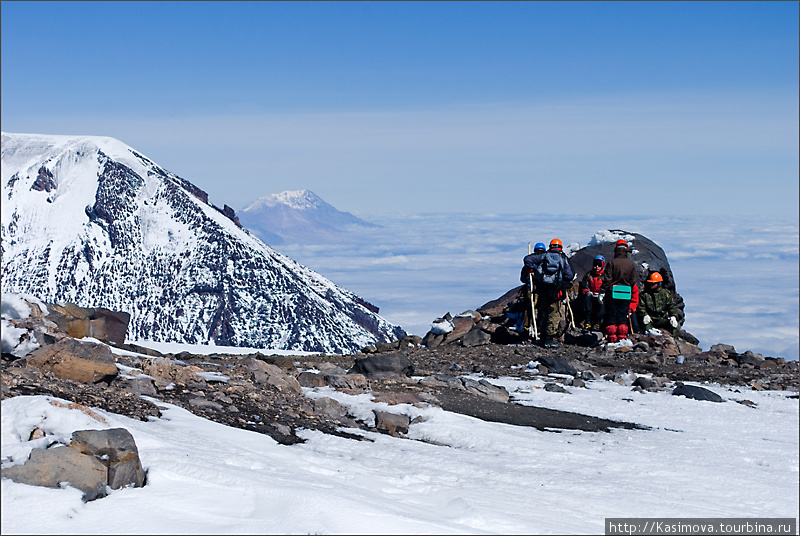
[(92, 221), (298, 217)]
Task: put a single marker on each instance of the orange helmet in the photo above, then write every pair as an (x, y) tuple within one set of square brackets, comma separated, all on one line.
[(655, 277), (556, 243)]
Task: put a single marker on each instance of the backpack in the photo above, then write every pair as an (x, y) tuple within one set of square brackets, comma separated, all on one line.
[(548, 273)]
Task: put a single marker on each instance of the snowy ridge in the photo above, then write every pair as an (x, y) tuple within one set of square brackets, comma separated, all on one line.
[(90, 220)]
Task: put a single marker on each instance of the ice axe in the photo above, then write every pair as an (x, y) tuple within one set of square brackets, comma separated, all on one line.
[(533, 331)]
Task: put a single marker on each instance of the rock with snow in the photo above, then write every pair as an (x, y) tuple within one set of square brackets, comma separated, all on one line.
[(50, 467), (93, 461), (391, 423), (109, 228), (696, 392), (117, 450)]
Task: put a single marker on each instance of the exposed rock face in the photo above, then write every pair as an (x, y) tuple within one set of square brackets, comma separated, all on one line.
[(91, 221)]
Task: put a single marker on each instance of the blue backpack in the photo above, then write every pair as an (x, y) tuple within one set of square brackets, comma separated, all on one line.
[(549, 272)]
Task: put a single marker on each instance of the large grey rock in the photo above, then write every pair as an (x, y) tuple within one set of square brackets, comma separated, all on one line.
[(749, 358), (273, 375), (697, 393), (475, 337), (352, 382), (557, 365), (118, 451), (392, 423), (51, 467), (486, 389), (311, 379), (384, 366), (329, 407)]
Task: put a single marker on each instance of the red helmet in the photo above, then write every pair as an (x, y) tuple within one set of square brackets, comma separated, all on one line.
[(621, 244), (655, 277), (556, 243)]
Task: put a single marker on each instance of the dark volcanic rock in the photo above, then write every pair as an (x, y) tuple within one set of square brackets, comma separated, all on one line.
[(697, 393)]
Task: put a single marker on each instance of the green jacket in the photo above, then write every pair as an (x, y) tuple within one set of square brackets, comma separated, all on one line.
[(659, 305)]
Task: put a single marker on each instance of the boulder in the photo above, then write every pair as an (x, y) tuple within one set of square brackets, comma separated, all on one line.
[(329, 407), (557, 365), (475, 337), (165, 372), (384, 366), (486, 389), (697, 393), (50, 467), (749, 358), (442, 380), (392, 423), (74, 360), (311, 379), (273, 375), (462, 324), (117, 450), (555, 388), (93, 460), (352, 382), (79, 322)]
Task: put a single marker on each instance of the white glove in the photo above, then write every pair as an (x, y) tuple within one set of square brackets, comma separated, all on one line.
[(647, 319), (601, 297), (673, 321)]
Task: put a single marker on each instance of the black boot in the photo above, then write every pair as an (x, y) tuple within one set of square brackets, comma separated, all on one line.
[(550, 342)]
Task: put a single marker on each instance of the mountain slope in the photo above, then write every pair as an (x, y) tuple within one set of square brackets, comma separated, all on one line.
[(299, 217), (90, 220)]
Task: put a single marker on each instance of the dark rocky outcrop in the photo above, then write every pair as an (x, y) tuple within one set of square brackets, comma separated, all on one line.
[(697, 393)]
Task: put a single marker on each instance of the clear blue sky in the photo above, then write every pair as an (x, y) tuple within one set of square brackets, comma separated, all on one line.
[(562, 107)]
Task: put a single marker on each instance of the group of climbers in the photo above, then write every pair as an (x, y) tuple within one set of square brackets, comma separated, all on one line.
[(609, 294)]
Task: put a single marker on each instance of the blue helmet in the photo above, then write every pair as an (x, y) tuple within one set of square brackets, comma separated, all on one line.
[(600, 258), (539, 247)]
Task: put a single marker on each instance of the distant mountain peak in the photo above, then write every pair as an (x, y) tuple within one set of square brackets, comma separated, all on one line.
[(297, 199), (299, 216)]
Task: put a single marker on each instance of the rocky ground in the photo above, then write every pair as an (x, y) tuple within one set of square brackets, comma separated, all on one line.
[(264, 393)]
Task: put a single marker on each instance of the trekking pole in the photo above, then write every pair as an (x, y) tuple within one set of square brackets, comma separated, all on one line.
[(569, 308), (534, 333)]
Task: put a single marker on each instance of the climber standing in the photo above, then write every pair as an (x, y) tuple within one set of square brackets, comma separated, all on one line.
[(530, 261), (552, 277), (657, 306), (593, 307), (618, 281)]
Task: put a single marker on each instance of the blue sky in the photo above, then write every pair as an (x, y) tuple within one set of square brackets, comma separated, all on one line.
[(576, 108)]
